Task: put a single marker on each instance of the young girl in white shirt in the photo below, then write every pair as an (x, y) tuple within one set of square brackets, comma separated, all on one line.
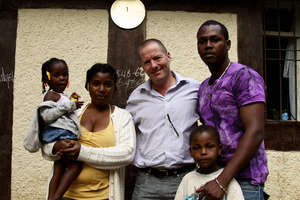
[(205, 147)]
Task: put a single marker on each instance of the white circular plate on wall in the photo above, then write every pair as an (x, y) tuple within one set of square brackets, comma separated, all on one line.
[(127, 14)]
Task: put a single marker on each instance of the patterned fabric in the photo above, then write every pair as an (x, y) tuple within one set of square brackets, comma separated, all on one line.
[(219, 105)]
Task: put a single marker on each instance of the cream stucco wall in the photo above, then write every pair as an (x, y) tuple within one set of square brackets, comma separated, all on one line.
[(80, 37), (177, 30), (284, 177)]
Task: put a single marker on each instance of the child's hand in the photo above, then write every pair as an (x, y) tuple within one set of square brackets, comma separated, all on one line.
[(51, 96), (74, 96), (59, 153), (79, 104)]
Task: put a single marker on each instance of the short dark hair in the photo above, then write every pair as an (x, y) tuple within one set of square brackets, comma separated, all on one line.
[(214, 22), (46, 67), (205, 128), (162, 46), (101, 67)]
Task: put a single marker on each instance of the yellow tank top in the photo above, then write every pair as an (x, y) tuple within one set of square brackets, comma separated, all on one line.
[(93, 184)]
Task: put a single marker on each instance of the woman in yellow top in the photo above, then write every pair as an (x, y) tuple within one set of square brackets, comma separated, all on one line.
[(106, 145)]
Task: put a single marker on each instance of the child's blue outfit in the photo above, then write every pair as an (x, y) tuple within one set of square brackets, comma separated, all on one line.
[(52, 121), (51, 133)]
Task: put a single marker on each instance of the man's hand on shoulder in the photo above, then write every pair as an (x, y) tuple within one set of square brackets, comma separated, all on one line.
[(211, 191)]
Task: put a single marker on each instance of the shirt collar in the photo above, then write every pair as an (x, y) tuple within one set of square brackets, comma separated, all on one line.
[(179, 80)]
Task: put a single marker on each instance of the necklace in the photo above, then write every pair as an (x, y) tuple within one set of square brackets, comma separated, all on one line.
[(224, 71), (215, 82)]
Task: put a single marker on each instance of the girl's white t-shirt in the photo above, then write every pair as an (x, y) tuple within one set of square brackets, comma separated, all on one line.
[(195, 180)]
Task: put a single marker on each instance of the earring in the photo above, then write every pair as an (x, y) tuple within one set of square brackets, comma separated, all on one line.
[(197, 165), (68, 84)]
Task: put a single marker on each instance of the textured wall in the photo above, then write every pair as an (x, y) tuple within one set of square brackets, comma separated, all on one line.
[(80, 37), (177, 30), (283, 180)]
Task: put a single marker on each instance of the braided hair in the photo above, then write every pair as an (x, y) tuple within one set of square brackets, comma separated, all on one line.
[(46, 68), (103, 68)]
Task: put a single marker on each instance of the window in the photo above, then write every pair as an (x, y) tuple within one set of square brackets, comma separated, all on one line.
[(281, 58)]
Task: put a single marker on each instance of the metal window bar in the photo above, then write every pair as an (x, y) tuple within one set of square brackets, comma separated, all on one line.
[(280, 63), (265, 55), (295, 56), (281, 59)]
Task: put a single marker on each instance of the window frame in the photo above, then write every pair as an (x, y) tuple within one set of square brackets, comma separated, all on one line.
[(280, 36), (279, 134)]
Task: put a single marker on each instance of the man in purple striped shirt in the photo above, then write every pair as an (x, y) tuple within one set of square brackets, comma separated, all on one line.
[(232, 100)]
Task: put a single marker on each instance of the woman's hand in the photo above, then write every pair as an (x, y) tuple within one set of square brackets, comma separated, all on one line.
[(72, 151), (60, 145)]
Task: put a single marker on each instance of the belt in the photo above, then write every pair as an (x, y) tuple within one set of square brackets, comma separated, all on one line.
[(167, 172)]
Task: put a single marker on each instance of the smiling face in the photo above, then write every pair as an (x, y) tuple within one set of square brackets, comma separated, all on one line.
[(212, 46), (155, 62), (101, 88), (205, 149), (59, 77)]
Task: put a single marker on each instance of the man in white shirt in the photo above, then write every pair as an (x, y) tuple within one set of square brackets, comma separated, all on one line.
[(164, 113)]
